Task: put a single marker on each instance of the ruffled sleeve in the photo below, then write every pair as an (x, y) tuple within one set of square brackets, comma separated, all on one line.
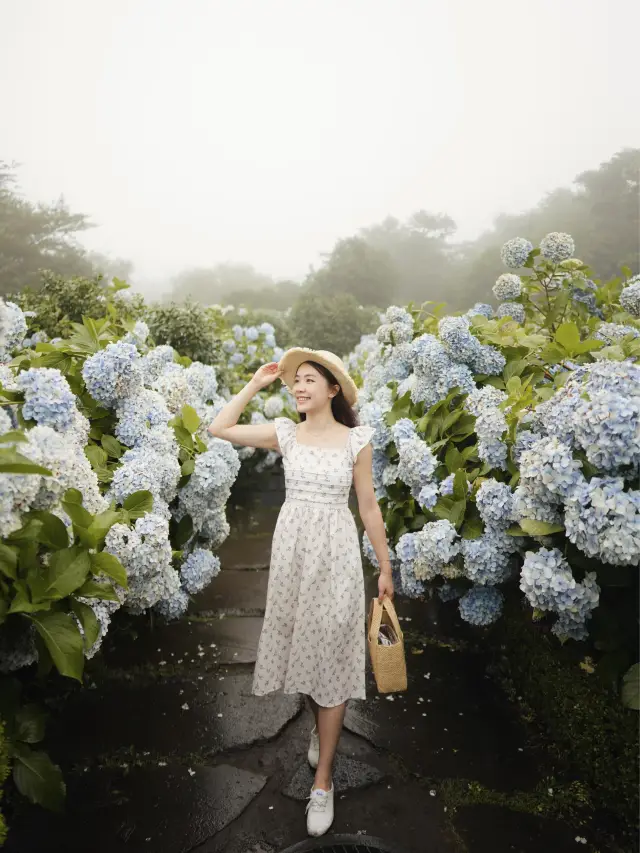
[(286, 432), (360, 436)]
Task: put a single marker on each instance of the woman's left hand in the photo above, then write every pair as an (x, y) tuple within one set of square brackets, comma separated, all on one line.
[(385, 586)]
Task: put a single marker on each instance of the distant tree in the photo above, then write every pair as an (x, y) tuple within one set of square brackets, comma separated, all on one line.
[(419, 253), (332, 321), (35, 237), (219, 284), (360, 269), (58, 302), (111, 268), (601, 212), (278, 298), (189, 328)]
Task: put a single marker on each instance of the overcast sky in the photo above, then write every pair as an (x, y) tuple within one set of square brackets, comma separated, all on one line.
[(200, 131)]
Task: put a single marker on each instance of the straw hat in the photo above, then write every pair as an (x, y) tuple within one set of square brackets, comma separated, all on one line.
[(293, 358)]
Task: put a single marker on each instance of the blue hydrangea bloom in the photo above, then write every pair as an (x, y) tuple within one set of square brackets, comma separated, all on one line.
[(487, 559), (630, 299), (198, 570), (48, 399), (113, 373), (557, 247), (481, 605), (495, 503), (515, 252), (507, 287), (513, 310)]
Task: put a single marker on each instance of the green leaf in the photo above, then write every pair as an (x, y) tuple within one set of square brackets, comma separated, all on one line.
[(29, 532), (514, 385), (453, 459), (631, 688), (88, 620), (139, 504), (190, 419), (12, 462), (22, 603), (188, 467), (181, 531), (452, 417), (184, 437), (80, 516), (38, 778), (101, 525), (472, 528), (30, 723), (8, 561), (68, 570), (12, 436), (53, 531), (96, 455), (111, 566), (568, 336), (460, 486), (63, 641), (112, 446), (539, 528), (91, 589), (514, 368), (73, 496)]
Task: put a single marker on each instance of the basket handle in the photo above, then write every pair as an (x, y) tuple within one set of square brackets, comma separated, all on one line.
[(375, 617)]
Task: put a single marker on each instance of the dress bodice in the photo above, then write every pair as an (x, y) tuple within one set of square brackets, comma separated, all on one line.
[(321, 475)]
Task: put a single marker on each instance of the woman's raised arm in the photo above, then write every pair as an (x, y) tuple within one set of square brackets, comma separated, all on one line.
[(225, 424)]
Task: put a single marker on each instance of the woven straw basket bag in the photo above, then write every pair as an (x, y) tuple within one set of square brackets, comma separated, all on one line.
[(388, 662)]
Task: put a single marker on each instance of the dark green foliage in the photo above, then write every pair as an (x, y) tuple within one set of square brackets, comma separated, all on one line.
[(60, 302), (4, 772), (333, 322), (189, 328), (592, 735), (35, 237)]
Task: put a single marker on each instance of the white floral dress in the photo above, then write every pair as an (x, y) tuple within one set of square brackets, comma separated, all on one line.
[(313, 636)]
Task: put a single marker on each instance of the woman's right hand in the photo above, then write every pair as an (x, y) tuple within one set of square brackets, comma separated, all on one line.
[(266, 374)]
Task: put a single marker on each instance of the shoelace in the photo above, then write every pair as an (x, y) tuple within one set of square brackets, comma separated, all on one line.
[(317, 804)]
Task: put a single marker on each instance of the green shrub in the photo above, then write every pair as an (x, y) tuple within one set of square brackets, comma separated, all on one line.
[(189, 328), (4, 772), (586, 727)]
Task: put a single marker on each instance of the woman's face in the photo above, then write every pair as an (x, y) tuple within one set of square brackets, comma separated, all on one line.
[(311, 389)]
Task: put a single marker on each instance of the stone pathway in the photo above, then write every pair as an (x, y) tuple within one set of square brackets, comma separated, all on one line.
[(169, 752)]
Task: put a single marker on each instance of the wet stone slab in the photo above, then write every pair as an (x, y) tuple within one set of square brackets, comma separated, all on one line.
[(168, 718), (488, 829), (452, 722), (251, 552), (234, 593), (347, 774), (172, 808), (188, 644)]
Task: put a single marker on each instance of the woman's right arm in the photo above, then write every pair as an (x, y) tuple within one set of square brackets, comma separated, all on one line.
[(225, 424)]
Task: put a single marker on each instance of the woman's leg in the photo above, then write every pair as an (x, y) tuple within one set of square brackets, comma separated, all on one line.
[(329, 728), (314, 708)]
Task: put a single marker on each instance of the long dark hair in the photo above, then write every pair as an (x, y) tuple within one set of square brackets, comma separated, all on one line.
[(341, 410)]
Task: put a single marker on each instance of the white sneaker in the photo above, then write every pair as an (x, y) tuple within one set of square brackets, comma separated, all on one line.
[(319, 811), (314, 748)]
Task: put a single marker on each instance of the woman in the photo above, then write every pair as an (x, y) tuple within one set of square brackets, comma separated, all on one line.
[(313, 636)]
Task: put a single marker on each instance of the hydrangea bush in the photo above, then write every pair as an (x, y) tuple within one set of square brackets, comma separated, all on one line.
[(506, 446), (112, 495)]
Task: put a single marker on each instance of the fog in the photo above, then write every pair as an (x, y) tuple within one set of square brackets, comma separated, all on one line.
[(261, 131)]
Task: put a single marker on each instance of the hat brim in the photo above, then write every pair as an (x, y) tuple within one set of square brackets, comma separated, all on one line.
[(293, 358)]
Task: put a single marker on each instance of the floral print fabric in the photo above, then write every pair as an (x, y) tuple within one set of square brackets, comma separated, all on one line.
[(313, 636)]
